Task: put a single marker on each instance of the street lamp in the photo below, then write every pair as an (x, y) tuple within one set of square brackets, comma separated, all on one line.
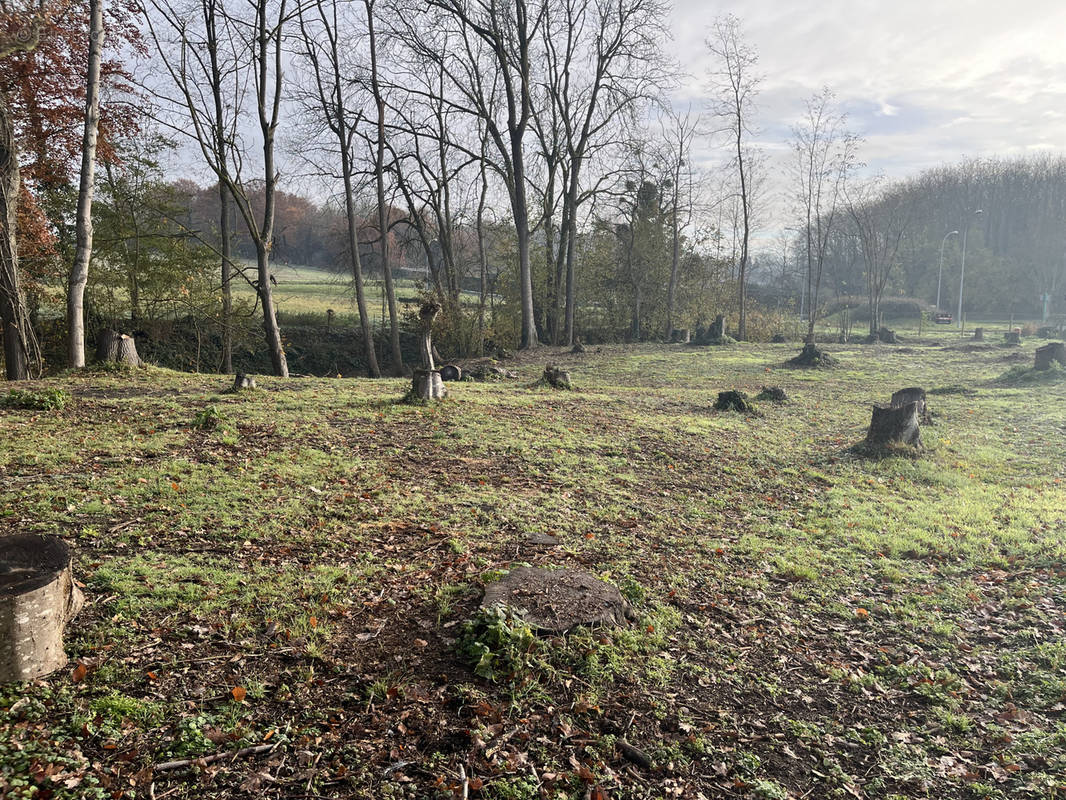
[(962, 272), (940, 272)]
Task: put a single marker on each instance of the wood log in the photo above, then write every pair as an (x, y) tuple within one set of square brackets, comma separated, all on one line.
[(912, 394), (113, 347), (1055, 351), (450, 372), (38, 597), (894, 425)]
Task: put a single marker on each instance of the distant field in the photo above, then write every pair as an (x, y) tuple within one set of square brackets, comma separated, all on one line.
[(292, 568)]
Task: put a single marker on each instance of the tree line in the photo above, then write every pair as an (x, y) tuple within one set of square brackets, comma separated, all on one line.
[(527, 155)]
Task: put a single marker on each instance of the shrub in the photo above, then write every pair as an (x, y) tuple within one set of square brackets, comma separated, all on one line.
[(496, 641), (36, 399)]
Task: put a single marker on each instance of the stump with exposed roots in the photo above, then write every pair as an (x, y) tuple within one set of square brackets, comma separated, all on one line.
[(734, 400), (38, 597), (812, 356), (894, 425), (1055, 351), (113, 347)]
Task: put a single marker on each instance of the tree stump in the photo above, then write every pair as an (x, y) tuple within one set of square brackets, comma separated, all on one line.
[(717, 329), (242, 381), (426, 383), (894, 425), (733, 401), (812, 356), (557, 378), (38, 597), (113, 347), (978, 334), (913, 394), (450, 372), (1013, 337), (775, 394), (680, 336), (1055, 351), (887, 336), (556, 600), (578, 347)]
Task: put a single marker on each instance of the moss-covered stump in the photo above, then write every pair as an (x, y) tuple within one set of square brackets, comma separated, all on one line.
[(812, 357), (556, 600), (734, 400)]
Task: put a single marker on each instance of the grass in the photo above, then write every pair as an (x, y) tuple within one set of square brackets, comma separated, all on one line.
[(294, 567)]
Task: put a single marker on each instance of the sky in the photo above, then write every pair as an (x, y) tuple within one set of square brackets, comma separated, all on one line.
[(925, 82)]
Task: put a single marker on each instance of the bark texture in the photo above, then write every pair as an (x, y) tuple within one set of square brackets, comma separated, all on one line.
[(117, 348), (894, 425), (38, 597)]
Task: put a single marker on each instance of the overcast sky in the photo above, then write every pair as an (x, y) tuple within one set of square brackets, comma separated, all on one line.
[(926, 82)]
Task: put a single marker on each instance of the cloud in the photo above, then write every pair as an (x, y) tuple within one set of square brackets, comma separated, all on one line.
[(925, 83)]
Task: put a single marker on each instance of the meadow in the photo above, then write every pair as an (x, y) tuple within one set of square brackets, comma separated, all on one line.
[(297, 569)]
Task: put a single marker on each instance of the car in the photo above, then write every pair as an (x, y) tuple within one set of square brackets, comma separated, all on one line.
[(943, 318)]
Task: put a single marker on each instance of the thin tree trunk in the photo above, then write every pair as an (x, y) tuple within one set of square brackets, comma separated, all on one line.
[(13, 314), (227, 276), (482, 258), (357, 268), (379, 175), (79, 274)]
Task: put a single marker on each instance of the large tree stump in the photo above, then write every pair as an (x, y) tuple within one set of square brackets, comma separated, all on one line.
[(38, 597), (556, 600), (557, 378), (1013, 337), (717, 329), (113, 347), (978, 334), (894, 425), (912, 394), (812, 356), (1055, 351)]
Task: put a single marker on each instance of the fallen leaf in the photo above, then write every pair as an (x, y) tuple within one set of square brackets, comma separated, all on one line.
[(238, 693)]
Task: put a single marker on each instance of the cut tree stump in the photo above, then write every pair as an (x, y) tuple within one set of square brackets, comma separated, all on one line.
[(556, 600), (38, 597), (775, 394), (426, 383), (1013, 337), (557, 378), (733, 401), (717, 329), (887, 336), (812, 356), (912, 394), (680, 336), (894, 425), (242, 381), (578, 347), (113, 347), (450, 372), (1055, 351), (778, 338), (978, 334)]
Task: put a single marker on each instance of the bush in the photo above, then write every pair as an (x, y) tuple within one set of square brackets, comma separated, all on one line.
[(495, 641), (209, 419), (37, 400)]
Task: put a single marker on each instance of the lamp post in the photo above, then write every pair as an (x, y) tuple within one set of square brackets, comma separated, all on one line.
[(940, 272), (962, 272)]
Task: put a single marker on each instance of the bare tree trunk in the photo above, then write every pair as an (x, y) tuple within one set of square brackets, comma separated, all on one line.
[(227, 276), (79, 274), (482, 258), (379, 179), (13, 316)]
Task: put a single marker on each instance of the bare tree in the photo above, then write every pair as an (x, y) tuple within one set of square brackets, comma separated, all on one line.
[(21, 353), (825, 153), (321, 31), (678, 131), (79, 274), (880, 218), (256, 32), (735, 86), (379, 183)]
